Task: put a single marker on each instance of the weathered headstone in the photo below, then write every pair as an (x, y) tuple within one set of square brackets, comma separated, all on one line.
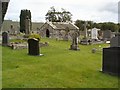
[(100, 35), (12, 31), (107, 35), (85, 30), (5, 39), (111, 57), (74, 45), (85, 40), (115, 41), (27, 26), (33, 46), (94, 33)]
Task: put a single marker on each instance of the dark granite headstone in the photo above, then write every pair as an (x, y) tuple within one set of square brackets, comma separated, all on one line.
[(115, 41), (111, 60), (5, 39), (33, 46)]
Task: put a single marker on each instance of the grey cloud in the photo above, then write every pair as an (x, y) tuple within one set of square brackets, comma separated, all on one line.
[(110, 7)]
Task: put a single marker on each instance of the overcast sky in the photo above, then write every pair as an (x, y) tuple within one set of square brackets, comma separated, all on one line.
[(94, 10)]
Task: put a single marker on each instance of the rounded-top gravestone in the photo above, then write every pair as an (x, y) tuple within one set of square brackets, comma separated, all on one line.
[(33, 46), (5, 38)]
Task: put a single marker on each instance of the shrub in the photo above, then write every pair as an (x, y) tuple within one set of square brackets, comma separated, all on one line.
[(37, 36)]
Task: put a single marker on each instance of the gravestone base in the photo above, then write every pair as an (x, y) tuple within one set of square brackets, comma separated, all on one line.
[(36, 55), (74, 47), (5, 45), (85, 42), (111, 60), (41, 55)]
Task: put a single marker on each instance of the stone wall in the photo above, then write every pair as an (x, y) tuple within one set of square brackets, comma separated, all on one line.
[(57, 34)]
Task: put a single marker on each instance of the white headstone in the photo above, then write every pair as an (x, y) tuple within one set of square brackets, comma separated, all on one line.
[(94, 33)]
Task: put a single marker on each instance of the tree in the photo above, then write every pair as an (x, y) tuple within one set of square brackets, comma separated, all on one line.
[(80, 24), (66, 15), (23, 15), (58, 16), (109, 26), (103, 26)]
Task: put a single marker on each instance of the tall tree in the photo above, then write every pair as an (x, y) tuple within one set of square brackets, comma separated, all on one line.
[(58, 16), (103, 26), (80, 24)]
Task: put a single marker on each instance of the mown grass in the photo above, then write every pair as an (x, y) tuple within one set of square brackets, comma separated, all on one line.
[(58, 68)]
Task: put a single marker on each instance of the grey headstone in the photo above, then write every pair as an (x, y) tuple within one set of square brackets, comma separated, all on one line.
[(107, 35), (74, 45), (27, 26), (33, 46), (115, 41), (5, 39), (94, 33)]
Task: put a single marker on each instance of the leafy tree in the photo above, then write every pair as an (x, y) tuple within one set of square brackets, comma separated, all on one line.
[(58, 16), (109, 26), (80, 24), (103, 26)]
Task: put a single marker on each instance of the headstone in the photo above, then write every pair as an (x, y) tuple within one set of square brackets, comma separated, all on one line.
[(115, 41), (12, 31), (74, 45), (5, 39), (94, 33), (27, 26), (111, 60), (33, 46), (85, 40), (85, 30), (100, 35), (107, 35), (111, 57)]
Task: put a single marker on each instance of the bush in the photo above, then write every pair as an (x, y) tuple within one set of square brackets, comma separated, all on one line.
[(37, 36)]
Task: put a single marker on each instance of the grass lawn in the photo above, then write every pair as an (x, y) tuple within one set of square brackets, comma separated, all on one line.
[(58, 68)]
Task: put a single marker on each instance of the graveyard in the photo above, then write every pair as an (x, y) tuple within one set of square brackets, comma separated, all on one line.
[(58, 68), (58, 53)]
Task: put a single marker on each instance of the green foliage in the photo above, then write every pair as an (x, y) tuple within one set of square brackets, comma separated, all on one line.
[(108, 26), (80, 24), (58, 68), (23, 16), (58, 16), (103, 26), (37, 36)]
